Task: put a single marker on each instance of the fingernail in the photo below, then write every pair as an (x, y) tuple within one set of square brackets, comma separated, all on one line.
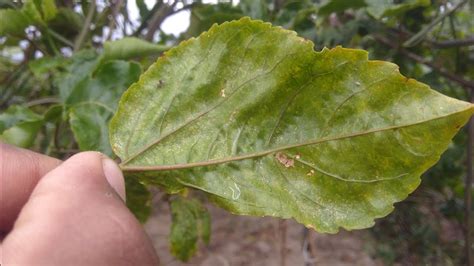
[(114, 176)]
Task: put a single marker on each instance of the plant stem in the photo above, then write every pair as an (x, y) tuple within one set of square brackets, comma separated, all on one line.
[(82, 35), (60, 38), (49, 100)]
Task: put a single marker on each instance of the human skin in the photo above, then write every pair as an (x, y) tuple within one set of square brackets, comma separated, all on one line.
[(67, 213)]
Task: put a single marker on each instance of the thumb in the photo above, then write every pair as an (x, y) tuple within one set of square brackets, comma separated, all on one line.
[(76, 215)]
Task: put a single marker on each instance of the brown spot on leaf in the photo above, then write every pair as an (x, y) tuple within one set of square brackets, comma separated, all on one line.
[(284, 160), (160, 84)]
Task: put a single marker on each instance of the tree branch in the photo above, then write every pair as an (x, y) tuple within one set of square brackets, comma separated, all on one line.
[(147, 18), (163, 12), (441, 70), (418, 37), (452, 43), (116, 5)]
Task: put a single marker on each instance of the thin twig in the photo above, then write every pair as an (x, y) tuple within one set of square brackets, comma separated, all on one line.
[(115, 7), (148, 16), (163, 12), (49, 100), (447, 74), (60, 38), (452, 43), (126, 19), (82, 35), (415, 39)]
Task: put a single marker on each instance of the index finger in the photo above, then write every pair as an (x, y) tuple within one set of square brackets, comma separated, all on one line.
[(20, 171)]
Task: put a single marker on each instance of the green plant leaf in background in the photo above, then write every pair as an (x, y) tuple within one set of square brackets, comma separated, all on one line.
[(105, 85), (45, 65), (80, 67), (12, 22), (138, 199), (89, 125), (90, 88), (93, 101), (32, 10), (340, 5), (381, 8), (48, 9), (142, 8), (19, 126), (264, 125), (204, 16), (130, 47), (191, 221), (256, 9)]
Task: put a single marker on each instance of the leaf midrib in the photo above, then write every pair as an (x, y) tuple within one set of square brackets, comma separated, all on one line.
[(275, 150)]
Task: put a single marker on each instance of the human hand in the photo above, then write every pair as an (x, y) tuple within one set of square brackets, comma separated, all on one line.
[(67, 213)]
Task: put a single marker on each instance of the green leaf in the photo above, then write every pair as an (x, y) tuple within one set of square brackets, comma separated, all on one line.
[(254, 117), (49, 9), (340, 5), (204, 16), (381, 8), (142, 8), (32, 11), (67, 23), (12, 22), (80, 67), (40, 11), (19, 126), (93, 101), (257, 9), (89, 125), (106, 85), (91, 96), (138, 199), (190, 221), (130, 47), (53, 114), (45, 65)]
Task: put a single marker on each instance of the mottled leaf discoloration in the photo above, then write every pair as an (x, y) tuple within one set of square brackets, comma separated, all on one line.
[(328, 138)]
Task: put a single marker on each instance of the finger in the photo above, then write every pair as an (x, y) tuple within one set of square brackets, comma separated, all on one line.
[(20, 171), (74, 216)]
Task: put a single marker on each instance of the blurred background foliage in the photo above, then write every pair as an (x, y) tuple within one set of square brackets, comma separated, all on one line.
[(64, 65)]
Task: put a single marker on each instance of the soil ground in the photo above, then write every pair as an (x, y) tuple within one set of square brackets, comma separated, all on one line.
[(243, 240)]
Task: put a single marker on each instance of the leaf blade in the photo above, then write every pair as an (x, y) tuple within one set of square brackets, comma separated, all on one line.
[(251, 115)]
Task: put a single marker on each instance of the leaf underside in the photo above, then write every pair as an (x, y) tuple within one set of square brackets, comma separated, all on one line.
[(254, 117)]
